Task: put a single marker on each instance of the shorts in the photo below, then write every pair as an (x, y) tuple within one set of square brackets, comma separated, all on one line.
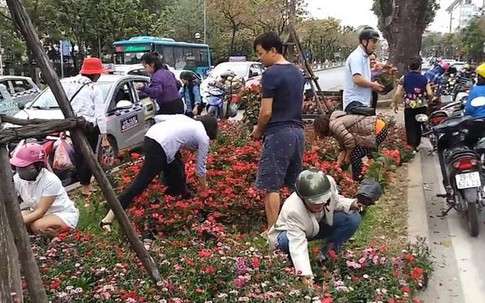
[(281, 159)]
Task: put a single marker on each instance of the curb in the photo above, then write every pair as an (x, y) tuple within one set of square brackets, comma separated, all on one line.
[(333, 67), (417, 215)]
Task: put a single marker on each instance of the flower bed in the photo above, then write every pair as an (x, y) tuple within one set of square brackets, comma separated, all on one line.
[(209, 249)]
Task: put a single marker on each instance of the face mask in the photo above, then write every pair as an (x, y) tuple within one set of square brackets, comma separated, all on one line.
[(28, 173)]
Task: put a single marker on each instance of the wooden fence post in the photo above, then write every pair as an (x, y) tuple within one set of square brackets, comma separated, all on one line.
[(10, 281), (21, 18)]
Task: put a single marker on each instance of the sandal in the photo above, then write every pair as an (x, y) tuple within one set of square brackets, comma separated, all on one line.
[(106, 226)]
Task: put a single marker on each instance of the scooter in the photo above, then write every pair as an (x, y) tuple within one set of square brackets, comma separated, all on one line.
[(462, 168)]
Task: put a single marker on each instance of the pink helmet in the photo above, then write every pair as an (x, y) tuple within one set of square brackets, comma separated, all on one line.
[(27, 154), (445, 65)]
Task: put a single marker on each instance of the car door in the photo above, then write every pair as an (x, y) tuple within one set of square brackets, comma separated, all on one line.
[(23, 91), (148, 103), (126, 124)]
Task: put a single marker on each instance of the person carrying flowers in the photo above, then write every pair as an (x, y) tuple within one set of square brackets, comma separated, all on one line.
[(415, 91), (357, 135)]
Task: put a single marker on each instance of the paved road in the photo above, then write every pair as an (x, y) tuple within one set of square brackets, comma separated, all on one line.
[(459, 259), (331, 79)]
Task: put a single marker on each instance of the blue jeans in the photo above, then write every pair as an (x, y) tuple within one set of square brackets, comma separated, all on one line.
[(344, 226)]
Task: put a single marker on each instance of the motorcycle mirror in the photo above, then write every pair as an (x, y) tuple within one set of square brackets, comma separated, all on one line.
[(421, 118), (478, 101)]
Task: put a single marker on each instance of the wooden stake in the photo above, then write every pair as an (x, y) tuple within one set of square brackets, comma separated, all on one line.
[(10, 281), (26, 255), (21, 18)]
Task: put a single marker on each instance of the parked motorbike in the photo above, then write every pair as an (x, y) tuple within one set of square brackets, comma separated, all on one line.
[(462, 166), (462, 86), (436, 117)]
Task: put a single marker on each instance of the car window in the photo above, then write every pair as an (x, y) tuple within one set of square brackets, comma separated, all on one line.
[(5, 83), (122, 92), (20, 85), (141, 95), (240, 69)]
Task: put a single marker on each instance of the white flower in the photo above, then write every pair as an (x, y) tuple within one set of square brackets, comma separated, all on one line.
[(222, 295), (366, 276)]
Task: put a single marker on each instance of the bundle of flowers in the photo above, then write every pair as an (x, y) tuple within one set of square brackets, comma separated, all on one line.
[(385, 74)]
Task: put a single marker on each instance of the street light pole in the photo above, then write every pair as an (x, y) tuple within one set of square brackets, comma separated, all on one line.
[(205, 21)]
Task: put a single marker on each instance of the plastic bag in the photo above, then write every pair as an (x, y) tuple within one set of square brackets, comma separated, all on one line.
[(369, 192), (62, 156)]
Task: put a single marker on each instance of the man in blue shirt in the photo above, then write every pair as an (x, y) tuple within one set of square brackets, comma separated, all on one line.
[(477, 94), (358, 85), (280, 122)]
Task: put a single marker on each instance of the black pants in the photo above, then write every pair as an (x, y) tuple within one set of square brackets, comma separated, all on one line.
[(413, 127), (154, 164), (375, 97), (171, 107), (358, 152), (83, 170)]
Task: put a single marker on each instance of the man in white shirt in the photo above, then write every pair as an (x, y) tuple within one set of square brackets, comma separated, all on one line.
[(87, 101), (161, 147), (314, 211), (357, 84)]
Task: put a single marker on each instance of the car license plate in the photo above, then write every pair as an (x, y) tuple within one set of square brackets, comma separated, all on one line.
[(468, 180), (128, 123)]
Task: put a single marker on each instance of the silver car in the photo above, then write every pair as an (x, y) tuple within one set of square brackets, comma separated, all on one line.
[(22, 89), (129, 112)]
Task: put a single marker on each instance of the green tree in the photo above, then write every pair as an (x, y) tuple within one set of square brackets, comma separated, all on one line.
[(474, 38), (402, 23)]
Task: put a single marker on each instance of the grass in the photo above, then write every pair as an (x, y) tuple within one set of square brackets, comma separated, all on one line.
[(386, 222)]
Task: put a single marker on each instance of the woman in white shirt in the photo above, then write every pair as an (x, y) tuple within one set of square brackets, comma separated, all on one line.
[(46, 207)]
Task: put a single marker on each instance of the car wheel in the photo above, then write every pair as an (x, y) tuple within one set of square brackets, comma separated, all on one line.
[(108, 156)]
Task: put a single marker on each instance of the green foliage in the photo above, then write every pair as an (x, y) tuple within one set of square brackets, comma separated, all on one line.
[(473, 37)]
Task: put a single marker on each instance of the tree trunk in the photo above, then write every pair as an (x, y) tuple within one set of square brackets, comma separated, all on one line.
[(403, 27), (233, 39)]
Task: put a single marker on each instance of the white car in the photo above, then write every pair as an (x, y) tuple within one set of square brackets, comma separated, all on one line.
[(246, 70), (129, 112)]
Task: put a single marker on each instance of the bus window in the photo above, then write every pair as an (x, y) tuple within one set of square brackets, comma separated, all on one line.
[(202, 57), (179, 57), (167, 52)]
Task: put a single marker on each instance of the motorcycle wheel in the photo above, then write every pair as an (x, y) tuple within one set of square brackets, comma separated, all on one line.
[(472, 218)]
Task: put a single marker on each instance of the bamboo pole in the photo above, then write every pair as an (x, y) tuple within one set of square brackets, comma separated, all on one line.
[(22, 19)]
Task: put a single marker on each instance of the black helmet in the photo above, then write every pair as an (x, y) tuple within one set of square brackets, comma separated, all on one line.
[(313, 186), (368, 33)]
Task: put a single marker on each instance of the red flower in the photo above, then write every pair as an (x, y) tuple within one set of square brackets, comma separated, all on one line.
[(332, 255), (417, 273), (205, 254), (255, 262), (55, 284)]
